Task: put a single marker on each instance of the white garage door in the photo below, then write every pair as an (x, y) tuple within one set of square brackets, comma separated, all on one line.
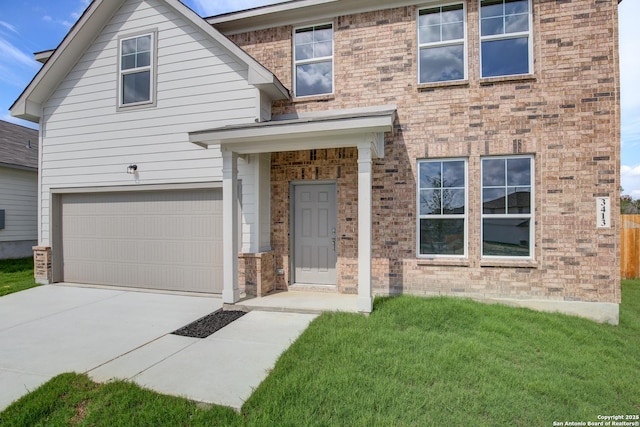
[(169, 240)]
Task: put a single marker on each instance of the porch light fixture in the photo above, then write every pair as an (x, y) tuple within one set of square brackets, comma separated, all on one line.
[(132, 169)]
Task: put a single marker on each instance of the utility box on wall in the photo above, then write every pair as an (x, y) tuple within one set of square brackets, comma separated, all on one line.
[(1, 219)]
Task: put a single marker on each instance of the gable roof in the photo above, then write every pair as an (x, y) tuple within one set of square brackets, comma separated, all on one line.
[(29, 105), (15, 141)]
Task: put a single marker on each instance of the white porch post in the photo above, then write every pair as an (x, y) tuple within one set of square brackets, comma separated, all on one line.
[(365, 300), (230, 290)]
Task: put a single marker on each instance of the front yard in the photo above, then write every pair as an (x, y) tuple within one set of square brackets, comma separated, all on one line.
[(414, 361)]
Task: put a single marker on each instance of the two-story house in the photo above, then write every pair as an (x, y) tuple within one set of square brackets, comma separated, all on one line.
[(464, 148)]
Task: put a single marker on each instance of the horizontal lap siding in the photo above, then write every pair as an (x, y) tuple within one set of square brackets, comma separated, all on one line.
[(18, 198), (87, 142)]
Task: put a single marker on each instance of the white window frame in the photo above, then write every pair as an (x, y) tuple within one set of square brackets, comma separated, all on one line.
[(530, 216), (464, 216), (507, 36), (151, 68), (313, 60), (462, 41)]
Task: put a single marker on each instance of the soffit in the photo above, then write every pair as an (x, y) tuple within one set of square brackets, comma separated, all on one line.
[(329, 129)]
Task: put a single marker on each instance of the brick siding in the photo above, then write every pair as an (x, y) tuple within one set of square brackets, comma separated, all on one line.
[(566, 115)]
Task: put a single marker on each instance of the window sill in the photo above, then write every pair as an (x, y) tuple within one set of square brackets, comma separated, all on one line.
[(314, 98), (449, 262), (506, 263), (520, 78), (424, 87), (137, 106)]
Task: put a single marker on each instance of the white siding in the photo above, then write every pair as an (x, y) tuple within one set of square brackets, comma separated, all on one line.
[(19, 199), (87, 142)]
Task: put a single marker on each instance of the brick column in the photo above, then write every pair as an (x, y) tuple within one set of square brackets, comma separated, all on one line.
[(257, 273), (42, 264), (365, 300)]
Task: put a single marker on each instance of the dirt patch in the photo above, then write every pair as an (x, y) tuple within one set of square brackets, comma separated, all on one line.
[(209, 324)]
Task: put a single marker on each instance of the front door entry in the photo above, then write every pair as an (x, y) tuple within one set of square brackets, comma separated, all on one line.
[(314, 237)]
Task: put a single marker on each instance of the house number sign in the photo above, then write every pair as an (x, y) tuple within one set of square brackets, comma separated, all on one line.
[(603, 212)]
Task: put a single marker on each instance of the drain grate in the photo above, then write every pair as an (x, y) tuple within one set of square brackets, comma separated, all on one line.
[(209, 324)]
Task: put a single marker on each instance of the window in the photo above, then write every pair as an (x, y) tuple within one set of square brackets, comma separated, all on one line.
[(313, 60), (441, 42), (505, 37), (136, 70), (442, 207), (507, 228)]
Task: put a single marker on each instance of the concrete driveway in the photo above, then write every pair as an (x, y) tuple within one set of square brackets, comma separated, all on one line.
[(49, 330)]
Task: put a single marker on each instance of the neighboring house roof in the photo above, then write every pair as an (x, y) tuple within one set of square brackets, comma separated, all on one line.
[(29, 105), (18, 146)]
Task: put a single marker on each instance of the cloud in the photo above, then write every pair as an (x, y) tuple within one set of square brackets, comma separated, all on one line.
[(76, 14), (630, 180), (73, 15), (10, 53), (8, 27), (216, 7), (629, 58)]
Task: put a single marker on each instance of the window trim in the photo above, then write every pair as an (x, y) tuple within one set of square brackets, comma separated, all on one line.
[(313, 60), (530, 216), (464, 43), (464, 216), (507, 36), (152, 67)]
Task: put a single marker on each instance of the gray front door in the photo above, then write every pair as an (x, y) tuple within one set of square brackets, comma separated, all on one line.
[(315, 234)]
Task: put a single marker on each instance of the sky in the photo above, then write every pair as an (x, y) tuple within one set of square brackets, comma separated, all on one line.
[(28, 26)]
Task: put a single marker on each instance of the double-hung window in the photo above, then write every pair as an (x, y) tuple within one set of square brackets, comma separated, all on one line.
[(136, 70), (441, 43), (507, 223), (313, 60), (505, 37), (442, 199)]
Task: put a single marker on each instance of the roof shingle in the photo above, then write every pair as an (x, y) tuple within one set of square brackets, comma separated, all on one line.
[(15, 141)]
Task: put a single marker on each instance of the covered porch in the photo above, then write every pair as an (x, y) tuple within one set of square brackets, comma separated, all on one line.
[(361, 129)]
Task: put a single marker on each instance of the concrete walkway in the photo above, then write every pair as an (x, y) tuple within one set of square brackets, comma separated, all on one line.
[(49, 330)]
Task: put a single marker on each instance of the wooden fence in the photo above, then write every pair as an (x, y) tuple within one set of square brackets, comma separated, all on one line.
[(630, 246)]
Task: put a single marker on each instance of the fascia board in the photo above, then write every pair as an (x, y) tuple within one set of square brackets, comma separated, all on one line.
[(290, 131), (299, 12), (66, 55)]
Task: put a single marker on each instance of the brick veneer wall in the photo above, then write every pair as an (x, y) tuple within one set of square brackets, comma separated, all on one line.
[(566, 115)]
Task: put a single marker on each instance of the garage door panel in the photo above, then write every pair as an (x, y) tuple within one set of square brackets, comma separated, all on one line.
[(169, 240)]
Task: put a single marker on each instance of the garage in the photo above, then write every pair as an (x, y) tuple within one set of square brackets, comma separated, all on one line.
[(166, 240)]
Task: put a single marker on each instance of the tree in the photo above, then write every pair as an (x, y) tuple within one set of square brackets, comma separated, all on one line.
[(628, 206)]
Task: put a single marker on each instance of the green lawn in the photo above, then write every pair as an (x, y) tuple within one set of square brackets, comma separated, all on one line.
[(16, 275), (414, 361)]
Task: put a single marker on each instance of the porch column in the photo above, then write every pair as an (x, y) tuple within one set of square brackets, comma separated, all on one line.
[(365, 300), (230, 290)]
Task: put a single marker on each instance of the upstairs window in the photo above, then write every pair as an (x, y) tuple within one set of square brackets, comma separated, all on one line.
[(313, 60), (136, 70), (505, 37), (507, 227), (442, 201), (441, 42)]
